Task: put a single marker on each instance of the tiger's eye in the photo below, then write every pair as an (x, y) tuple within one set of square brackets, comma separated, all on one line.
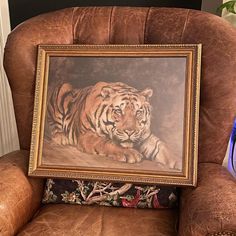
[(118, 112)]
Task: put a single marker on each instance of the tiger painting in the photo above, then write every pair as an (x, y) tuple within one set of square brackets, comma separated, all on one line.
[(108, 119)]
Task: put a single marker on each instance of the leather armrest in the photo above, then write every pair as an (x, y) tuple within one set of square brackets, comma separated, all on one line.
[(20, 196), (211, 207)]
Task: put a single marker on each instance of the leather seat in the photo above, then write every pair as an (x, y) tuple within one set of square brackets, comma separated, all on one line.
[(97, 221), (206, 210)]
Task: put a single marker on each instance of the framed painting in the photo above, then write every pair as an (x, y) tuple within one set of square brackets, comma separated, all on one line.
[(124, 113)]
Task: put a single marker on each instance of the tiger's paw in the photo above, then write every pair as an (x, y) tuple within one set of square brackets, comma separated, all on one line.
[(127, 155), (60, 139)]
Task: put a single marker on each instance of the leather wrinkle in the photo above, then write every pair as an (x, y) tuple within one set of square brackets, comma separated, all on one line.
[(102, 223), (4, 219), (45, 222), (110, 24), (21, 200), (85, 218), (145, 25), (26, 196), (185, 25), (85, 22), (72, 23), (76, 20), (74, 26)]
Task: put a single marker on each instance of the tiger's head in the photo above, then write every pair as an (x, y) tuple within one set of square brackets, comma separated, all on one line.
[(123, 113)]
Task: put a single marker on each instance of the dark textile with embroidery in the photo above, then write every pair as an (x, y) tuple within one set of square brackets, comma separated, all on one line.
[(109, 194)]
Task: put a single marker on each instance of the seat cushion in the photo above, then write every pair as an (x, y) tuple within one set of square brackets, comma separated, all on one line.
[(76, 220)]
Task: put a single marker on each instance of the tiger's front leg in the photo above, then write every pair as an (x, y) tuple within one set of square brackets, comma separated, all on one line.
[(93, 144), (156, 150)]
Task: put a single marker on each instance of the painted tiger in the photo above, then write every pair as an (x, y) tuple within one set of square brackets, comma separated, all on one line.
[(111, 119)]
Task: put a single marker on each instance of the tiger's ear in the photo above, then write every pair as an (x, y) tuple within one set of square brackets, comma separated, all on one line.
[(106, 92), (147, 93)]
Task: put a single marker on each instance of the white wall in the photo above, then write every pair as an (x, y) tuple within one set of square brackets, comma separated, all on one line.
[(8, 133)]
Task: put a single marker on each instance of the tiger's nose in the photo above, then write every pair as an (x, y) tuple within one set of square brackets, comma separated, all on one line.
[(129, 132)]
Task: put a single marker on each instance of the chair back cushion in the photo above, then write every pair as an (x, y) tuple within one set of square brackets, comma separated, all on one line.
[(125, 25)]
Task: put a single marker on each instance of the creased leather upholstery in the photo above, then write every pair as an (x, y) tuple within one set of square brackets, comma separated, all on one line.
[(101, 221), (209, 208), (20, 197)]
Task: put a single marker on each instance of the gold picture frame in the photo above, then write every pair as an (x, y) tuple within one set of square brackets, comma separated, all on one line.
[(126, 113)]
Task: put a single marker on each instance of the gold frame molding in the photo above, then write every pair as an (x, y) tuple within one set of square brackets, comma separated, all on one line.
[(188, 176)]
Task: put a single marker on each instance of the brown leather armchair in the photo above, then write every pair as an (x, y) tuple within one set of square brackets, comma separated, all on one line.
[(206, 210)]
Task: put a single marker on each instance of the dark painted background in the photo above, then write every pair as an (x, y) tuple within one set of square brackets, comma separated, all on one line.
[(21, 10), (162, 75)]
